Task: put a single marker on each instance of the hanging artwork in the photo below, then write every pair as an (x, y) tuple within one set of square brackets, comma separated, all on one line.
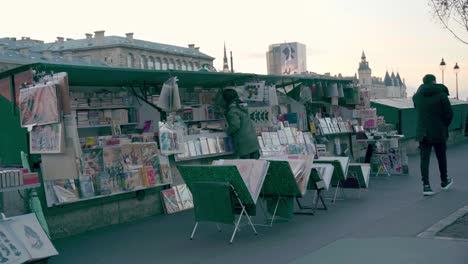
[(171, 138), (39, 105), (254, 91), (47, 139), (260, 116)]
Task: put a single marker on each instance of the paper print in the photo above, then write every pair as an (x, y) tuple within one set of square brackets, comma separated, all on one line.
[(39, 105), (47, 139)]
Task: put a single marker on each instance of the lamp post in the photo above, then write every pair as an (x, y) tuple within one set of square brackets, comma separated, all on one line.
[(442, 68), (456, 70)]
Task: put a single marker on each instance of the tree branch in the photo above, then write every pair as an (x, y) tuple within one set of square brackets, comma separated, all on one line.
[(445, 24)]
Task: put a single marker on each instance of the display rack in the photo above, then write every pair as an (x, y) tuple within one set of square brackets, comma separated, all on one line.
[(21, 187)]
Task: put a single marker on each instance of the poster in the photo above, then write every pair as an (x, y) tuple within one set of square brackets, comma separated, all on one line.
[(261, 116), (254, 91), (39, 105), (47, 139), (93, 162)]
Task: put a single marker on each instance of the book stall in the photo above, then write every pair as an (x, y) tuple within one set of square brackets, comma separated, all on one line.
[(165, 133)]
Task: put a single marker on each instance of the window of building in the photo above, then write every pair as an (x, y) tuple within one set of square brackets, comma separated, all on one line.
[(165, 64), (171, 64), (143, 62), (151, 62), (178, 65), (184, 65), (190, 66), (196, 66), (157, 64), (130, 60)]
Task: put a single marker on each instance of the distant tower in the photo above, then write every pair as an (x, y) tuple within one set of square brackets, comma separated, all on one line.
[(232, 64), (225, 61), (365, 73)]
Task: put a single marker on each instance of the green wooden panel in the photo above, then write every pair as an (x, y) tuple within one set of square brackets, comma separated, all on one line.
[(13, 138), (280, 181), (212, 202), (230, 174)]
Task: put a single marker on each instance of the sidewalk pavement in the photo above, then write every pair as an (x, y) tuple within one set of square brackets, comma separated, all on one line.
[(380, 227)]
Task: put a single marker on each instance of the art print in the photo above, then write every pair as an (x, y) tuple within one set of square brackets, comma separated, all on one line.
[(39, 105), (47, 139)]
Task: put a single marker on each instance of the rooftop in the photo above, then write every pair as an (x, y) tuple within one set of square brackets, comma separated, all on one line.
[(101, 41)]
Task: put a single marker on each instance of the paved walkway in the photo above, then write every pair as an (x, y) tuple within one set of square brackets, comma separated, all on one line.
[(380, 227)]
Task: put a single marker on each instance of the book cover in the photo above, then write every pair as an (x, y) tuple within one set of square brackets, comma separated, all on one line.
[(47, 139), (170, 201), (185, 196), (212, 145), (275, 139), (131, 180), (166, 174), (148, 150), (131, 156), (192, 149), (86, 187), (39, 105), (204, 146), (150, 175), (93, 162), (220, 143), (157, 170)]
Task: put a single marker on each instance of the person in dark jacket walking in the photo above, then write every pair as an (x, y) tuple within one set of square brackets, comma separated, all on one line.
[(240, 127), (434, 115)]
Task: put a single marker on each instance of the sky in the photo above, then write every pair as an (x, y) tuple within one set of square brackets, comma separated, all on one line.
[(398, 35)]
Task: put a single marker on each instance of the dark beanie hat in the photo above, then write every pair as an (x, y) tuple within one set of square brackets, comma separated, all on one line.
[(429, 79), (230, 95)]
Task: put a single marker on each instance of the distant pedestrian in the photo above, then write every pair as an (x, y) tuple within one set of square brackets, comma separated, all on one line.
[(434, 115), (240, 127)]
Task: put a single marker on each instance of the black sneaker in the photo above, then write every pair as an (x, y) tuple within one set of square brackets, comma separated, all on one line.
[(446, 184), (427, 191)]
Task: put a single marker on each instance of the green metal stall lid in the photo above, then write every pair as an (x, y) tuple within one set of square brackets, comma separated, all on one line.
[(113, 77), (407, 103)]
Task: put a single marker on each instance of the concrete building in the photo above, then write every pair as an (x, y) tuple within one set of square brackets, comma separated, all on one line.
[(392, 86), (14, 53), (286, 58), (123, 52)]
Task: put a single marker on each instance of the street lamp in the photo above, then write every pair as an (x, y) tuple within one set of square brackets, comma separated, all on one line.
[(442, 68), (456, 70)]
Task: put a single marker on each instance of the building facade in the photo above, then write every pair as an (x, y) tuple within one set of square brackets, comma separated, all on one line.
[(122, 52), (391, 86), (286, 58)]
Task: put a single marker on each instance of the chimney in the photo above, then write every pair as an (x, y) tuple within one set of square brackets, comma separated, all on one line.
[(47, 54), (68, 39), (13, 39), (89, 36), (129, 36), (191, 46), (24, 51), (197, 49), (99, 36), (60, 39), (67, 55)]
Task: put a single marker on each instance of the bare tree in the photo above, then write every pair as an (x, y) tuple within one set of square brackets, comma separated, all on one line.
[(453, 14)]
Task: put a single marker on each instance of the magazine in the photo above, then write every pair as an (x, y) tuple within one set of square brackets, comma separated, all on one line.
[(47, 139), (22, 239)]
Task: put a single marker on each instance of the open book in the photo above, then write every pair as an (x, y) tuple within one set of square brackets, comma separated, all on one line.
[(301, 166), (22, 239), (253, 173)]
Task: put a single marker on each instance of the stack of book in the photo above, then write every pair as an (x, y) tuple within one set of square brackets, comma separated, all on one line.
[(207, 146), (177, 199), (286, 141), (83, 118)]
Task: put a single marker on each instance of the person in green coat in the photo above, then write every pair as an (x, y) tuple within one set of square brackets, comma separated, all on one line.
[(434, 115), (240, 127)]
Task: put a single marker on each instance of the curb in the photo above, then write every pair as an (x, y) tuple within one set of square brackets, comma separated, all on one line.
[(432, 231)]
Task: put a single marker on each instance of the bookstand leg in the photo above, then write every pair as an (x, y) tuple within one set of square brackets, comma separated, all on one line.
[(273, 217), (193, 231), (244, 211)]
